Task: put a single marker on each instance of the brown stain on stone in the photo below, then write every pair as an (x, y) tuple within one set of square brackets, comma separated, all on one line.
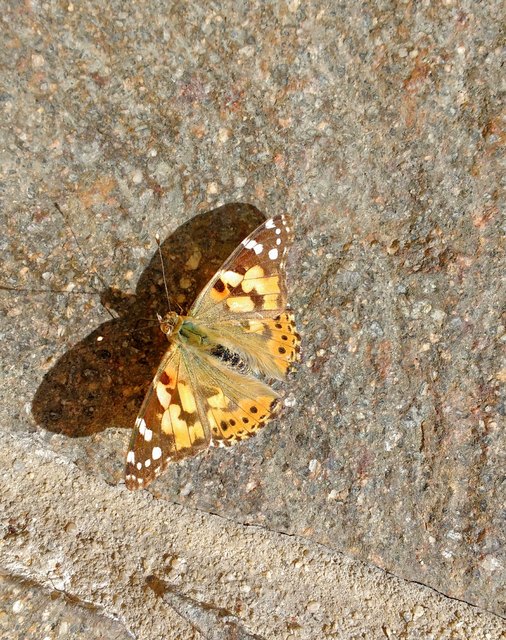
[(98, 192)]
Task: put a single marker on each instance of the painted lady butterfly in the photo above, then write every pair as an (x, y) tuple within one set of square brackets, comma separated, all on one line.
[(204, 393)]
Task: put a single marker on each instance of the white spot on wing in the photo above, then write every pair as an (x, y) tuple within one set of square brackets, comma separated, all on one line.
[(139, 465), (147, 463), (141, 424), (273, 254), (258, 248), (157, 453), (270, 224), (131, 457), (278, 231), (278, 241), (250, 244), (148, 434), (231, 277)]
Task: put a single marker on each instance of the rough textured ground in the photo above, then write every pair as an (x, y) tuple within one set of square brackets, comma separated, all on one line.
[(378, 127), (169, 572), (32, 613)]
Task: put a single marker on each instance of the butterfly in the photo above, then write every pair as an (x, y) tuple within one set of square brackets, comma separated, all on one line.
[(211, 389)]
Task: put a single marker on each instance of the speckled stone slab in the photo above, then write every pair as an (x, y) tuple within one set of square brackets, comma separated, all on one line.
[(378, 127)]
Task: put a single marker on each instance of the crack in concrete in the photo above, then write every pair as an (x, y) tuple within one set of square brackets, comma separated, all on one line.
[(316, 543)]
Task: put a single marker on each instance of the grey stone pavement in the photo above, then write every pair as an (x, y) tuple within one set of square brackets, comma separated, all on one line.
[(373, 507)]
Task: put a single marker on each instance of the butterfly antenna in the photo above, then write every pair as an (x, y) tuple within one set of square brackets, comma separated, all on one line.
[(157, 238)]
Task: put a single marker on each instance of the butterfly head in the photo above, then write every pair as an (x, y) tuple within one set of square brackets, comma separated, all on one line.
[(170, 323)]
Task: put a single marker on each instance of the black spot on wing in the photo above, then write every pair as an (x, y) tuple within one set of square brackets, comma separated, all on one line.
[(219, 285)]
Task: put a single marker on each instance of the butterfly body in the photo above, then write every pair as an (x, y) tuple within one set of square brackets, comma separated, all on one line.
[(183, 328), (189, 334), (206, 392)]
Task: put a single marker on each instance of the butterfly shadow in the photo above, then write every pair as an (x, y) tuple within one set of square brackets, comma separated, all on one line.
[(101, 381)]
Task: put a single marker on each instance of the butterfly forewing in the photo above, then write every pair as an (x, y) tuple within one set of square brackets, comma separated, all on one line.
[(168, 426), (204, 393), (252, 280)]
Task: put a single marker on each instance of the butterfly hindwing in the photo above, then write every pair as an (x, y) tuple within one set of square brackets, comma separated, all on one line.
[(234, 406), (278, 343), (268, 345), (252, 280)]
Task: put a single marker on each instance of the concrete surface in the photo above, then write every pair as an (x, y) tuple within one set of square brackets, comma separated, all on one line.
[(166, 571), (378, 127), (30, 612)]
